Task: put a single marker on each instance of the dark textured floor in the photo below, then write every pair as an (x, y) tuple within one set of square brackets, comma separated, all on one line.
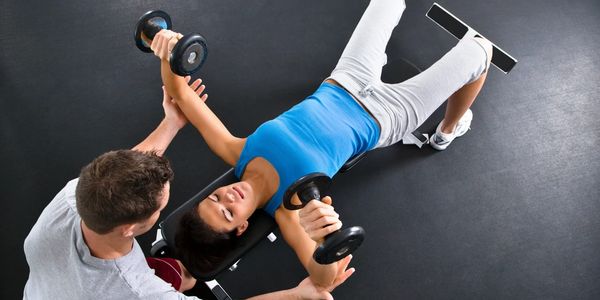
[(510, 211)]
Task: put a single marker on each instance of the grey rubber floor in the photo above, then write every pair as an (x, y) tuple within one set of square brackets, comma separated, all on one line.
[(510, 211)]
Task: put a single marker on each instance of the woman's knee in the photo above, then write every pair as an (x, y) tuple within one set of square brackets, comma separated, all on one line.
[(487, 46)]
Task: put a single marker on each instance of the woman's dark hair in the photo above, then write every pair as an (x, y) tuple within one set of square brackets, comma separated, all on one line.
[(199, 246), (121, 187)]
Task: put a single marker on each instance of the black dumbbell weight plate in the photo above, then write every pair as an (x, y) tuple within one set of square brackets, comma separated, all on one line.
[(157, 18), (301, 186), (339, 245), (188, 55)]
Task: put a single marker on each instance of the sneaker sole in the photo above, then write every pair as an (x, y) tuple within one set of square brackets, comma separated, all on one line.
[(437, 146)]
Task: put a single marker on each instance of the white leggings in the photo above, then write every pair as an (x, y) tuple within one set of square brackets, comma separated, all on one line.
[(402, 107)]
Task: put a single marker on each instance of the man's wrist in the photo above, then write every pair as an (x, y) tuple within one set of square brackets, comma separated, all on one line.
[(171, 126), (292, 294)]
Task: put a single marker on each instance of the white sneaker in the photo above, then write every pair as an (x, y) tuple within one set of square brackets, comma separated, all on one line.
[(441, 141)]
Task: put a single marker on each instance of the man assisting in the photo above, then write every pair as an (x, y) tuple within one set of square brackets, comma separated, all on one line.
[(83, 244)]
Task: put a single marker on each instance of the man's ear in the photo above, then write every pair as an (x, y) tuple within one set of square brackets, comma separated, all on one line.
[(127, 230), (240, 229)]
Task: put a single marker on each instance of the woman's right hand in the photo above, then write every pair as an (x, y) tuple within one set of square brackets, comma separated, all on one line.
[(163, 42), (318, 218)]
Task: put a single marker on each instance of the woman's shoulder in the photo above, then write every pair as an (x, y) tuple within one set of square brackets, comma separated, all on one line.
[(236, 147)]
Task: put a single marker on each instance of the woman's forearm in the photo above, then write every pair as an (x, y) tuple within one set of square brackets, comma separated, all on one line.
[(175, 85), (322, 275), (304, 246)]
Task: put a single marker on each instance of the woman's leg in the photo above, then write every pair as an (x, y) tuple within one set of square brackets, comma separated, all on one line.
[(461, 100), (458, 116), (400, 108), (406, 105), (459, 103), (364, 55)]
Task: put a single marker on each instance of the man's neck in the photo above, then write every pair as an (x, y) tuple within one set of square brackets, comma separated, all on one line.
[(106, 246)]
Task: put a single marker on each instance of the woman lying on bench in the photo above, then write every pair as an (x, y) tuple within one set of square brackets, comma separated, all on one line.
[(350, 113)]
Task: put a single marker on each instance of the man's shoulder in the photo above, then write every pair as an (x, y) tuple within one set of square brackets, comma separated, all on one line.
[(63, 207), (54, 224), (69, 193), (65, 198)]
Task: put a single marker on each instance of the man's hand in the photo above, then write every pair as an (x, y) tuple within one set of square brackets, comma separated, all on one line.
[(163, 42), (318, 218), (307, 289), (173, 114)]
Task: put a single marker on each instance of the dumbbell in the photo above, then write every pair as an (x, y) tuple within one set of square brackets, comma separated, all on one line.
[(188, 55), (337, 244)]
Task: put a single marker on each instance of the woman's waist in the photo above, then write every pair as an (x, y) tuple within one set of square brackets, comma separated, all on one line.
[(334, 82)]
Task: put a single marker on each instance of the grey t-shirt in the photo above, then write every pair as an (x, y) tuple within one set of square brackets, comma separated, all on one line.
[(61, 266)]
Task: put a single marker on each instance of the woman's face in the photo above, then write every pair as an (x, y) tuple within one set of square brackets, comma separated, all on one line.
[(228, 208)]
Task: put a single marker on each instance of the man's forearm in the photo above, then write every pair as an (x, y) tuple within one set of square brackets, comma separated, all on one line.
[(285, 294), (159, 139)]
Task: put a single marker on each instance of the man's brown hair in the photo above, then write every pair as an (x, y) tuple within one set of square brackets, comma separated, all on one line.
[(121, 187)]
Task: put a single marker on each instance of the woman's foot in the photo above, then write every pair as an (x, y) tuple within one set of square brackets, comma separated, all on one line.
[(441, 140)]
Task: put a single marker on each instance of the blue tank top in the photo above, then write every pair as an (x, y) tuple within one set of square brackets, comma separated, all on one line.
[(317, 135)]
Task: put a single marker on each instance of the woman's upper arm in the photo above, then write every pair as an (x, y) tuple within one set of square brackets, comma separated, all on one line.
[(235, 146), (214, 132)]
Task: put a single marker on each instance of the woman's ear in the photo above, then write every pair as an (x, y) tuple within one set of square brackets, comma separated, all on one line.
[(240, 229)]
